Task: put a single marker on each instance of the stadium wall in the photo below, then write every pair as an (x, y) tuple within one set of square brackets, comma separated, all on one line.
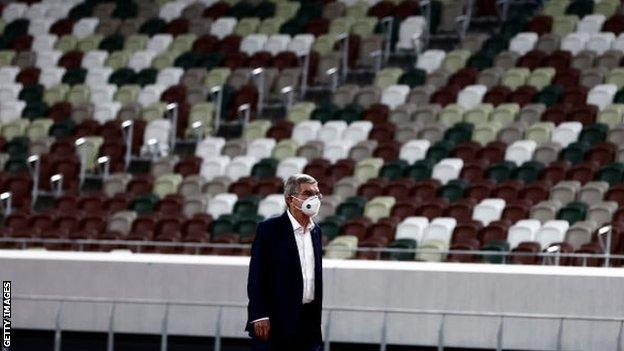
[(589, 292)]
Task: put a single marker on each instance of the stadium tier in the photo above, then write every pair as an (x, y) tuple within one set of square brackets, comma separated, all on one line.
[(189, 116)]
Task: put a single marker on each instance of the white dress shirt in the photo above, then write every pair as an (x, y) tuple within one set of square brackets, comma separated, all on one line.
[(303, 238)]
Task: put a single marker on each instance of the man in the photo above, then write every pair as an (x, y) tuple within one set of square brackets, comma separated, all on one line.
[(285, 283)]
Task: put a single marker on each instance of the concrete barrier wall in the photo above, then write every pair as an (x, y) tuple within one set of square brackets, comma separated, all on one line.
[(404, 285)]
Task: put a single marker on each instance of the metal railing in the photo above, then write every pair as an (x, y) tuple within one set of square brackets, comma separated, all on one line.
[(383, 338), (381, 253)]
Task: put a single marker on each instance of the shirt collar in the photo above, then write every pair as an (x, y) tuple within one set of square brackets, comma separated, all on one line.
[(295, 224)]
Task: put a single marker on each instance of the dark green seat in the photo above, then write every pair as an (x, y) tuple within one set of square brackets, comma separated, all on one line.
[(331, 225), (495, 44), (292, 27), (575, 152), (480, 60), (62, 129), (309, 10), (17, 147), (405, 244), (350, 113), (528, 172), (187, 60), (594, 133), (125, 9), (613, 173), (241, 9), (353, 206), (5, 42), (35, 110), (453, 190), (247, 206), (82, 10), (500, 171), (111, 43), (393, 169), (32, 93), (573, 212), (325, 111), (75, 76), (144, 204), (246, 225), (265, 168), (16, 28), (265, 9), (16, 165), (421, 169), (515, 23), (153, 26), (619, 97), (146, 76), (210, 60), (459, 132), (436, 14), (441, 149), (495, 245), (122, 76), (225, 224), (549, 95), (414, 77), (581, 8)]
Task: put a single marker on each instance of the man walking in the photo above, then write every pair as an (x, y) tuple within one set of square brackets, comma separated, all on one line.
[(285, 282)]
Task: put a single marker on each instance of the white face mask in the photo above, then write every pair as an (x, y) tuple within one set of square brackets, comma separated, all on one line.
[(310, 206)]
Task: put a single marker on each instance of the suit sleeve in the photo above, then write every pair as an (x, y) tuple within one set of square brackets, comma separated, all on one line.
[(257, 282)]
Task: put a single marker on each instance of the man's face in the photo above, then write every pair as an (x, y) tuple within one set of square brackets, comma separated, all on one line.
[(305, 190)]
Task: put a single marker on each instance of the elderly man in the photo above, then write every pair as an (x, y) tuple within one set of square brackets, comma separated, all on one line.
[(285, 282)]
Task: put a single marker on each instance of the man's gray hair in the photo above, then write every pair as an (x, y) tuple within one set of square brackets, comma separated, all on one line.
[(292, 186)]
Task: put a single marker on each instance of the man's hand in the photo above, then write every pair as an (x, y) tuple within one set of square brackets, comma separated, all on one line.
[(261, 329)]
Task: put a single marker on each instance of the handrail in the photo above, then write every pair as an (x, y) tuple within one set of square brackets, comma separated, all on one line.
[(139, 243), (137, 301)]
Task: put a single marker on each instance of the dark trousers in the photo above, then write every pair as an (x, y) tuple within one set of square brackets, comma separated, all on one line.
[(302, 340)]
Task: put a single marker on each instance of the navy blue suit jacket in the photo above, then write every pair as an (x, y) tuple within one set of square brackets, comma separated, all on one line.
[(275, 283)]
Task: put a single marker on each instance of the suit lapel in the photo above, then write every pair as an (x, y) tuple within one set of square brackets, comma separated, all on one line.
[(291, 243)]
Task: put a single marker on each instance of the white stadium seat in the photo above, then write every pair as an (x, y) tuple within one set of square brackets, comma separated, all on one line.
[(414, 150), (210, 147), (602, 95), (331, 131), (520, 151), (253, 43), (261, 147), (290, 166), (240, 166), (575, 42), (488, 210), (214, 166), (600, 42), (395, 95), (471, 96), (521, 231), (223, 27), (357, 131), (412, 228), (566, 133), (523, 42), (272, 205), (552, 231), (222, 204), (447, 169), (431, 60), (306, 131)]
